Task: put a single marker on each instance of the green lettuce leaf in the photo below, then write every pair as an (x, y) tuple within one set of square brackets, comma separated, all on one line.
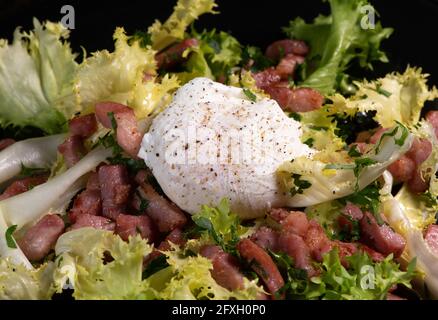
[(220, 224), (221, 51), (397, 97), (184, 14), (19, 283), (336, 41), (189, 278), (98, 264), (317, 180), (36, 78), (364, 279)]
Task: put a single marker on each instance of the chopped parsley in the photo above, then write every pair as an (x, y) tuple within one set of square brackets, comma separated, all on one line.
[(367, 199), (9, 238), (28, 172), (251, 96), (299, 184), (382, 91), (296, 116), (157, 264), (354, 151), (309, 142)]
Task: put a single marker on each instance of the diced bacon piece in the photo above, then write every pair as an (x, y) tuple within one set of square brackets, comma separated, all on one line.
[(431, 237), (284, 47), (362, 147), (374, 255), (128, 134), (173, 56), (22, 185), (294, 246), (129, 225), (4, 143), (266, 78), (377, 135), (296, 222), (278, 214), (295, 100), (97, 222), (350, 213), (417, 184), (166, 215), (432, 118), (317, 241), (41, 237), (115, 189), (381, 237), (73, 150), (89, 202), (391, 296), (345, 249), (176, 236), (265, 238), (225, 267), (83, 126), (403, 169), (287, 65), (420, 150), (363, 136), (93, 181), (262, 264)]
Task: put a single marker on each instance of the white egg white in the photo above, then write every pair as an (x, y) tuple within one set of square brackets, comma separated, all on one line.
[(213, 142)]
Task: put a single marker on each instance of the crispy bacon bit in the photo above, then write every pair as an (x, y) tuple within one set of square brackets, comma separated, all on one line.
[(432, 118), (41, 238), (317, 241), (166, 215), (284, 47), (431, 237), (173, 56), (128, 134), (22, 185), (98, 222), (225, 267), (115, 189), (262, 264), (72, 149), (381, 237), (4, 143), (403, 169), (287, 65), (83, 126), (129, 225), (265, 238)]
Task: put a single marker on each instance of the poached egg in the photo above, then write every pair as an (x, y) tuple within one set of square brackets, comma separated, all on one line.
[(214, 141)]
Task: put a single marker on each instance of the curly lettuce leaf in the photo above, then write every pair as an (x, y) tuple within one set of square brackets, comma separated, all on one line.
[(116, 76), (36, 78), (20, 283), (31, 153), (221, 50), (189, 278), (173, 29), (317, 180), (30, 206), (196, 66), (336, 41), (409, 216), (220, 224), (397, 97), (364, 279), (98, 264)]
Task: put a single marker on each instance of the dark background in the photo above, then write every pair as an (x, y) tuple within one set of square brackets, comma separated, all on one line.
[(257, 23)]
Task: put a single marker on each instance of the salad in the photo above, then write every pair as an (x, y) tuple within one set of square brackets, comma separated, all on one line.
[(187, 165)]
